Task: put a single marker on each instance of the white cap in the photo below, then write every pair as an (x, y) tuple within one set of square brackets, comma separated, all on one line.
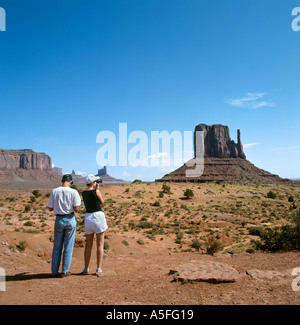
[(91, 178)]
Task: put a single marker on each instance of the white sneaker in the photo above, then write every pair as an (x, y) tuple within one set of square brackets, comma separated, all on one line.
[(99, 270), (85, 271)]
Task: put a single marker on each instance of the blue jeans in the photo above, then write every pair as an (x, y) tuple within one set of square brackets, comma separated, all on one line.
[(64, 236)]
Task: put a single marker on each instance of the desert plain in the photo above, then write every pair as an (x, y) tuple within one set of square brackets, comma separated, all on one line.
[(157, 242)]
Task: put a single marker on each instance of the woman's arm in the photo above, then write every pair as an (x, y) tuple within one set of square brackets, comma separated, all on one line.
[(99, 196)]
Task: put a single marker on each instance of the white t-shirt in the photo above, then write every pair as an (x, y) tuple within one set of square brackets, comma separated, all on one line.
[(63, 199)]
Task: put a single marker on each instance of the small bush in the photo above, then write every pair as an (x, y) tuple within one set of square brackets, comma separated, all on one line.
[(27, 208), (256, 231), (291, 199), (137, 181), (106, 245), (271, 195), (156, 204), (286, 237), (22, 245), (125, 242), (140, 241), (36, 193), (166, 189), (188, 193), (213, 246), (196, 244), (28, 223)]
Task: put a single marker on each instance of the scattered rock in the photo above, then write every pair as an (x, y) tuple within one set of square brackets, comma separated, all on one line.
[(265, 274), (207, 271)]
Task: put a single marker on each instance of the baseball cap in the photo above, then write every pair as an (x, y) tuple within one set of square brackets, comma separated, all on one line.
[(91, 178), (66, 178)]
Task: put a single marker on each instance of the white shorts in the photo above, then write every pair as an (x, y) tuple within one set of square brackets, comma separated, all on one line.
[(95, 222)]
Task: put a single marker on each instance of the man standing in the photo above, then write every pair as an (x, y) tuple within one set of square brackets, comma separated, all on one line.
[(64, 201)]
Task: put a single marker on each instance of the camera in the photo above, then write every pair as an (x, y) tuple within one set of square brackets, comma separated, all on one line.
[(98, 181)]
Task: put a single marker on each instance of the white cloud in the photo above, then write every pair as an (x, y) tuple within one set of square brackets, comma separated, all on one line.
[(80, 173), (157, 155), (251, 100), (249, 145)]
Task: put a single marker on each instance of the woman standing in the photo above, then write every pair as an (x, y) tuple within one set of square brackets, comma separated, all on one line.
[(95, 222)]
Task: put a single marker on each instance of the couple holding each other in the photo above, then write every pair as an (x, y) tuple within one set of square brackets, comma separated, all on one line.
[(64, 201)]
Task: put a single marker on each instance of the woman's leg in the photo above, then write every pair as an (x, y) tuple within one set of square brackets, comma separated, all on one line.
[(88, 249), (100, 249)]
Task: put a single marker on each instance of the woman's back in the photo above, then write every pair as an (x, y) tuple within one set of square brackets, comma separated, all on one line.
[(91, 201)]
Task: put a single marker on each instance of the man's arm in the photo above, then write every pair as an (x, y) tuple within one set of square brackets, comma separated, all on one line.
[(76, 201), (51, 202)]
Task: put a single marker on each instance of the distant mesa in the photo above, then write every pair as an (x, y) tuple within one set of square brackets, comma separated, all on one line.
[(26, 164), (224, 161), (106, 179)]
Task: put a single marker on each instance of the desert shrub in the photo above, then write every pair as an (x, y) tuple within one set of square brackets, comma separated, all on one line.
[(28, 223), (213, 246), (146, 225), (271, 195), (10, 199), (125, 242), (161, 194), (137, 181), (179, 237), (286, 237), (188, 193), (27, 208), (196, 244), (166, 189), (169, 213), (106, 245), (256, 231), (36, 193), (22, 245), (156, 204), (140, 241), (131, 224), (291, 198)]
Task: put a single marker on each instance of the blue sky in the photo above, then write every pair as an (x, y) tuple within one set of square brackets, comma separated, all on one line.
[(71, 69)]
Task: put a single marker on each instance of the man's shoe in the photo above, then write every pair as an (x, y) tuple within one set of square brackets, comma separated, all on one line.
[(63, 275)]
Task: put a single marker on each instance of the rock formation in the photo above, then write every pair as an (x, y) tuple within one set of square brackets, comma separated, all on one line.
[(107, 178), (20, 165), (25, 159), (58, 171), (217, 142), (224, 161)]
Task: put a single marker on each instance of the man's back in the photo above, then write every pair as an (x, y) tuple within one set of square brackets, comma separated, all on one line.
[(63, 200)]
